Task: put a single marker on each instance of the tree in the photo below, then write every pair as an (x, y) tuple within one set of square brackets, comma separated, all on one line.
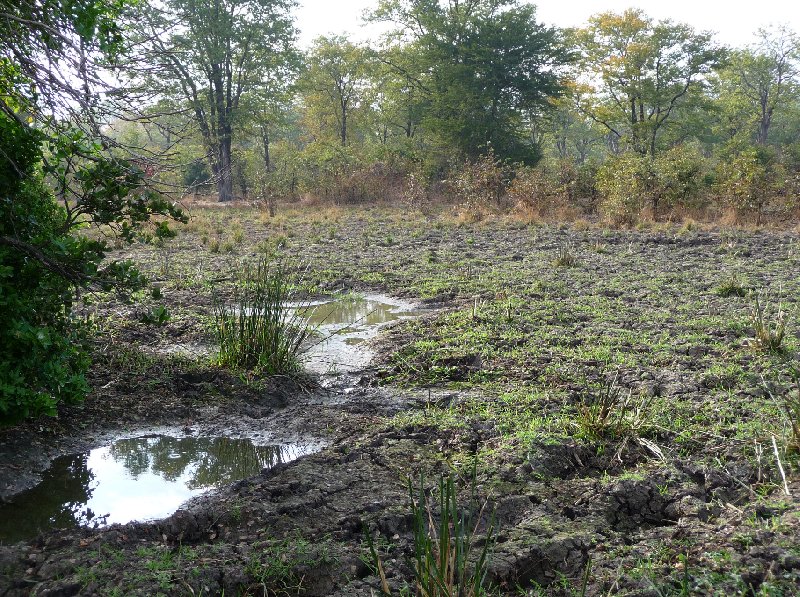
[(760, 80), (211, 54), (645, 71), (56, 175), (483, 65), (335, 81)]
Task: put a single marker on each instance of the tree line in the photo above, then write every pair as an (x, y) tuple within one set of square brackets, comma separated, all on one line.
[(678, 117)]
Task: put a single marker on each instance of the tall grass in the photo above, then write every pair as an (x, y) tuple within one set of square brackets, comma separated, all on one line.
[(261, 331), (448, 560)]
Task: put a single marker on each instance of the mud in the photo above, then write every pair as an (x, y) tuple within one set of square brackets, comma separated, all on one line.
[(674, 510)]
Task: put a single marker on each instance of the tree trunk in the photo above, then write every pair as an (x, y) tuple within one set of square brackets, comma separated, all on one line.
[(344, 125), (265, 143), (225, 178)]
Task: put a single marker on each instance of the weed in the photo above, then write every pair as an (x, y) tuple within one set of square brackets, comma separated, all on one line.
[(566, 257), (277, 566), (213, 245), (606, 411), (791, 405), (444, 563), (733, 285), (768, 329), (157, 316), (262, 332)]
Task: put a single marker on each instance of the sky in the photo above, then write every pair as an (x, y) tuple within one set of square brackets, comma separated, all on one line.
[(734, 21)]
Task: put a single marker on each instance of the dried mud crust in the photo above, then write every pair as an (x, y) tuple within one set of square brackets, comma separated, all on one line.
[(700, 509)]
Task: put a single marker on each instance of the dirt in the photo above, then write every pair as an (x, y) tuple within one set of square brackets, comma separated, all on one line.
[(680, 506)]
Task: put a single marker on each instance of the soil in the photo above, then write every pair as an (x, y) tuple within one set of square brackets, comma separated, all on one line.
[(492, 378)]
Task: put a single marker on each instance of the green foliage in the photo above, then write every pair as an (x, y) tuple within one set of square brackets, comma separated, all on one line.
[(157, 316), (42, 258), (733, 285), (262, 331), (749, 179), (632, 181), (477, 96), (448, 559), (623, 183)]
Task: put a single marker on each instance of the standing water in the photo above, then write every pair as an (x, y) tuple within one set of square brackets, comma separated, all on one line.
[(143, 478), (344, 326)]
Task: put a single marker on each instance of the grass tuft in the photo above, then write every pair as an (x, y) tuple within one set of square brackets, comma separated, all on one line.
[(262, 331), (447, 561), (768, 330), (733, 285), (566, 257)]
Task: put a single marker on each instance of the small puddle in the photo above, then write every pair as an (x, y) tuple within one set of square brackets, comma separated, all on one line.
[(345, 325), (144, 478)]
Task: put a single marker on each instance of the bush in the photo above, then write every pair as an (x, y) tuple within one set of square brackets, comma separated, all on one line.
[(480, 185), (749, 179), (536, 190), (631, 182), (623, 181)]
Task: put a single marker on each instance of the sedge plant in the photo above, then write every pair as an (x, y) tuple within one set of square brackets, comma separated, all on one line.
[(448, 559), (263, 330)]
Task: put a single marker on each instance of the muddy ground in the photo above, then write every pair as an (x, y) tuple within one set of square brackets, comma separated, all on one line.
[(526, 327)]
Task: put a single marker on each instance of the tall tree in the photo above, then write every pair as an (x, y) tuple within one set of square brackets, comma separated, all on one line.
[(335, 81), (211, 53), (763, 77), (483, 64), (643, 72)]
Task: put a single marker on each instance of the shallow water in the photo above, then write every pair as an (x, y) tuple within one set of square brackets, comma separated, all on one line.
[(142, 478), (343, 325)]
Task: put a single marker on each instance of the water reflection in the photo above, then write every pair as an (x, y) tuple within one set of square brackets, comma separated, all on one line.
[(347, 323), (143, 478)]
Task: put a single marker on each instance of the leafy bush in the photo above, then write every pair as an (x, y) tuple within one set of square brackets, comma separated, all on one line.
[(623, 182), (262, 332), (749, 179), (42, 261), (631, 182)]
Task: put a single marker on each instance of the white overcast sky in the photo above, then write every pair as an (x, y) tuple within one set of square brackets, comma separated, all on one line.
[(734, 21)]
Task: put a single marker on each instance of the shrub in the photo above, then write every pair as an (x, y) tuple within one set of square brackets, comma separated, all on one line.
[(623, 182), (262, 332), (631, 182), (748, 180), (480, 185), (677, 178), (536, 190)]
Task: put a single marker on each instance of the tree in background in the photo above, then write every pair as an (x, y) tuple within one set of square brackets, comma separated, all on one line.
[(483, 66), (762, 80), (334, 85), (209, 54), (56, 176), (646, 72)]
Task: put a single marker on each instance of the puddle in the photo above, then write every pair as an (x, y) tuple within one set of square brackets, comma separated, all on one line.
[(143, 478), (346, 324)]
